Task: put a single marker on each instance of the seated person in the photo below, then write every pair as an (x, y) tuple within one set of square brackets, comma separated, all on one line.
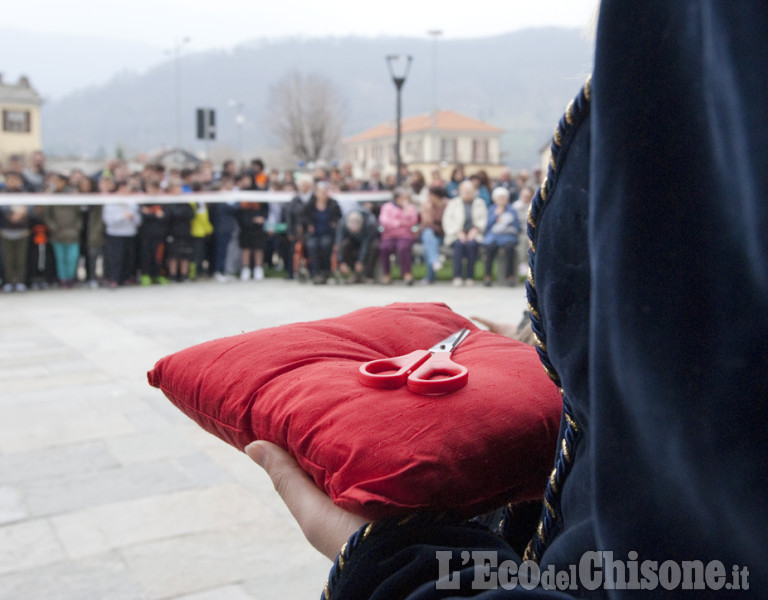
[(502, 231), (464, 221), (431, 230), (397, 219), (321, 217), (357, 245)]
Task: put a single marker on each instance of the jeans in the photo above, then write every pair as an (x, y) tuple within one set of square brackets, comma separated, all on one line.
[(220, 245), (431, 244), (319, 253), (461, 251), (67, 256)]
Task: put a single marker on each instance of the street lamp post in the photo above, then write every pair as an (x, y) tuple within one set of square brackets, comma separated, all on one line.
[(399, 67), (239, 121), (176, 51), (434, 34), (434, 150)]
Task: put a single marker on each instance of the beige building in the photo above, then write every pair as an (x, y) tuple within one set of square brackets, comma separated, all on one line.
[(20, 131), (437, 140)]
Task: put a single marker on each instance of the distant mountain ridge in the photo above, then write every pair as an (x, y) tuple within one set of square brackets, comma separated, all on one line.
[(519, 81)]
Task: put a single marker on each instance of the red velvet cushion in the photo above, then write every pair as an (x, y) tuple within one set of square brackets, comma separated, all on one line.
[(378, 452)]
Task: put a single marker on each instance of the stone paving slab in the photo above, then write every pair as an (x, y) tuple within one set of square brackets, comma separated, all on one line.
[(107, 491)]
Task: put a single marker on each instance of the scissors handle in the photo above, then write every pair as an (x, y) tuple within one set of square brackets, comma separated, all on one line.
[(391, 373), (438, 375)]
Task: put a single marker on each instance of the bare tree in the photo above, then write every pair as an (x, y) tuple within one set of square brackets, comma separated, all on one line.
[(306, 116)]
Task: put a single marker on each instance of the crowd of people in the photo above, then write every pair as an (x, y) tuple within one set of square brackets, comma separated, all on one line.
[(314, 236)]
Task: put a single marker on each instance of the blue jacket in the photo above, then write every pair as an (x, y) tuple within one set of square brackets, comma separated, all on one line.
[(649, 286), (502, 229)]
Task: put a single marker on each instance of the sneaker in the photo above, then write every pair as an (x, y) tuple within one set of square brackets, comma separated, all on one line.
[(93, 284), (145, 280), (258, 273), (458, 282), (113, 285), (160, 280), (487, 282), (437, 265), (245, 274), (20, 287), (469, 282), (220, 277), (7, 288)]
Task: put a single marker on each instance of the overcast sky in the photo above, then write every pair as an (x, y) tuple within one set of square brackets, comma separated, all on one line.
[(225, 23)]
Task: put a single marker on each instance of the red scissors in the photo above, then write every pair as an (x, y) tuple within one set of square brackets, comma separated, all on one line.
[(427, 372)]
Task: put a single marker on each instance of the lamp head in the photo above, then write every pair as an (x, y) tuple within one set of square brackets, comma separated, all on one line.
[(399, 66)]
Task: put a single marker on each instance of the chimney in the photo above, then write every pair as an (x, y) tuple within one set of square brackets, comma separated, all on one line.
[(24, 81)]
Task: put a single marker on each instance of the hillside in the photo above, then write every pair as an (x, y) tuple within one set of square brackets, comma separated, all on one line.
[(520, 81)]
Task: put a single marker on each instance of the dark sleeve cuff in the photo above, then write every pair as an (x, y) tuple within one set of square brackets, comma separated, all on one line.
[(420, 558)]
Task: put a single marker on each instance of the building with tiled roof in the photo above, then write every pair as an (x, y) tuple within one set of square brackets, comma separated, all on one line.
[(436, 140), (19, 118)]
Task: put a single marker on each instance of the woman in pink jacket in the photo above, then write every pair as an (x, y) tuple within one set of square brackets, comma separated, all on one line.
[(396, 222)]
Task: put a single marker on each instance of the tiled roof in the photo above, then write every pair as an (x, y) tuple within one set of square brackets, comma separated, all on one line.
[(20, 93), (446, 120)]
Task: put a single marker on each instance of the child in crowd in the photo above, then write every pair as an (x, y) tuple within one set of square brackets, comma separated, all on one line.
[(152, 233), (65, 225), (121, 224), (181, 246), (201, 228), (397, 219), (222, 215), (96, 235), (14, 236), (251, 217), (501, 232)]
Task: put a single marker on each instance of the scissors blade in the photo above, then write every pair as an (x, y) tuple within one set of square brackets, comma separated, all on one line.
[(450, 343)]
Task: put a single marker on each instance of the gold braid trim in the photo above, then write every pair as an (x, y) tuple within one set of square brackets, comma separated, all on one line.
[(572, 423), (569, 113)]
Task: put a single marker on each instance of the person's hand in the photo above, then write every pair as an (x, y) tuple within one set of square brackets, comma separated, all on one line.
[(472, 234), (344, 268), (506, 329), (358, 267), (325, 525), (462, 237), (258, 220)]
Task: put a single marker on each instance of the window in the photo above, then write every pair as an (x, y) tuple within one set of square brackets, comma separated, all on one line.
[(418, 151), (17, 121), (448, 149), (479, 151)]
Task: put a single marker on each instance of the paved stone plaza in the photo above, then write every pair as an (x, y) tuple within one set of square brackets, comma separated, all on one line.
[(107, 491)]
